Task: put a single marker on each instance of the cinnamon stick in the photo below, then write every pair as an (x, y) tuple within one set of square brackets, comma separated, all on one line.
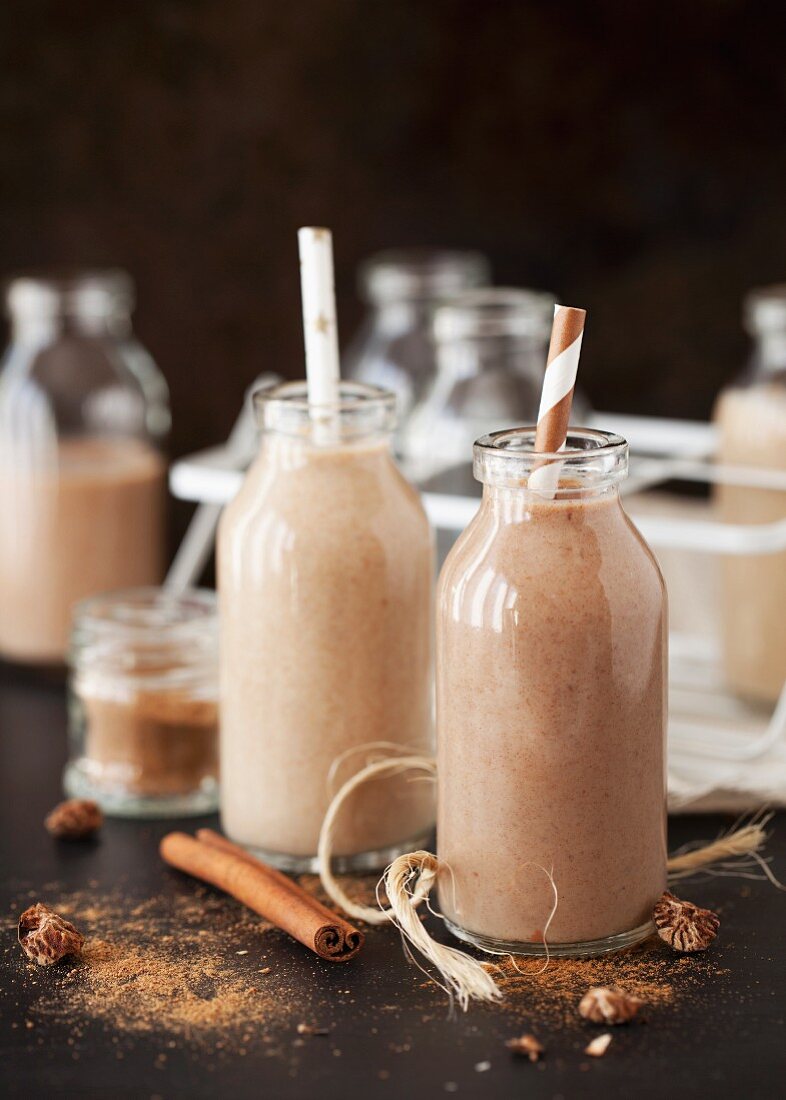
[(266, 891), (216, 840)]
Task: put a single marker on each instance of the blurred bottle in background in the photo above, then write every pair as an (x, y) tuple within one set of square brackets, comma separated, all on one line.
[(491, 349), (751, 420), (394, 347), (83, 411)]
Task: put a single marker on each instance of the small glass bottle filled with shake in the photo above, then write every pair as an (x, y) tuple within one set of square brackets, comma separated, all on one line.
[(750, 416), (325, 572), (83, 411), (551, 695)]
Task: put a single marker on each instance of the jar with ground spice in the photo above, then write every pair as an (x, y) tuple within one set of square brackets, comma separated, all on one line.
[(144, 703)]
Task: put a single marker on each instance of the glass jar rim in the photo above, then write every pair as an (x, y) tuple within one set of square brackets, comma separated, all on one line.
[(361, 409), (498, 311), (135, 614), (595, 458), (426, 274)]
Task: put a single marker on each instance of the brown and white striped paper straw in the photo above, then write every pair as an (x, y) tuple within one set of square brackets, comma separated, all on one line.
[(557, 395)]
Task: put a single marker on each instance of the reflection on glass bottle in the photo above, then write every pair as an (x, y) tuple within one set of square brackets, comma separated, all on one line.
[(751, 420), (491, 354), (394, 348), (82, 482)]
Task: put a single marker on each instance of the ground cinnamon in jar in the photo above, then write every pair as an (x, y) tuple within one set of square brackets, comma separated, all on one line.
[(144, 703)]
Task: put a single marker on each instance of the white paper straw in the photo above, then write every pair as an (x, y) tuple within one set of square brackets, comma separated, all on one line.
[(319, 325)]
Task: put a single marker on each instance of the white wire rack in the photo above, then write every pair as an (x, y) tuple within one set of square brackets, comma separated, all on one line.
[(716, 741)]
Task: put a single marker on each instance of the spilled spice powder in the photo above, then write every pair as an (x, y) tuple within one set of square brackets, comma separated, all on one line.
[(649, 971), (165, 968)]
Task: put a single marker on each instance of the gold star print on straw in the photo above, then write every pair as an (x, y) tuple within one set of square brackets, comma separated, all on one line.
[(319, 233), (322, 324)]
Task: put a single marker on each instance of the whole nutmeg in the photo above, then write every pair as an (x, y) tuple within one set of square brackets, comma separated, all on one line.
[(46, 937), (603, 1005), (75, 819), (683, 925)]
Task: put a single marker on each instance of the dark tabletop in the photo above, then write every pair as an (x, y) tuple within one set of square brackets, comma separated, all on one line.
[(389, 1035)]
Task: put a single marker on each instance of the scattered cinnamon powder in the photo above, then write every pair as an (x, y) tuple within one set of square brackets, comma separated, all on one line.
[(649, 971), (164, 967)]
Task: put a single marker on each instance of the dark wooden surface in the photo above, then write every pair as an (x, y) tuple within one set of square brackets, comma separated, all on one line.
[(724, 1040)]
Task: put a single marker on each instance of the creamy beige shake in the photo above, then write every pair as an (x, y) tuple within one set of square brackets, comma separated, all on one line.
[(325, 574), (89, 520), (751, 425), (551, 708)]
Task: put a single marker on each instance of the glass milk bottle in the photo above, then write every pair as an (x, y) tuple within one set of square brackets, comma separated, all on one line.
[(491, 347), (325, 572), (83, 410), (551, 709), (394, 347), (750, 417)]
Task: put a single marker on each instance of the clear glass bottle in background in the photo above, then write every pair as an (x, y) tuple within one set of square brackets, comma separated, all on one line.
[(143, 703), (83, 411), (325, 577), (750, 416), (491, 348), (551, 708), (394, 347)]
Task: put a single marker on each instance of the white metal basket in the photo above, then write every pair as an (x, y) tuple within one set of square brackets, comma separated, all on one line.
[(722, 752)]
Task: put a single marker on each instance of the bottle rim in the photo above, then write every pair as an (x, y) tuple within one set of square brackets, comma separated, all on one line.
[(361, 409), (492, 312), (591, 460), (33, 296), (420, 274), (764, 309)]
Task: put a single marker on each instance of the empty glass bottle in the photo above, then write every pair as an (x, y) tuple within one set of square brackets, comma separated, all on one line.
[(394, 347)]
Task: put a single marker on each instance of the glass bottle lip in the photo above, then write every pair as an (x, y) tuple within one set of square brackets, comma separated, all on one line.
[(764, 310), (361, 410), (420, 274), (592, 460), (495, 312), (36, 296)]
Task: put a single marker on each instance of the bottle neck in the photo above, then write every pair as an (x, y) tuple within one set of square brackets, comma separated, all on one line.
[(513, 505), (770, 352), (47, 328), (522, 356), (400, 315)]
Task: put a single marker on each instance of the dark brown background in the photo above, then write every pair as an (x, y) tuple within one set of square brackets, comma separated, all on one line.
[(630, 156)]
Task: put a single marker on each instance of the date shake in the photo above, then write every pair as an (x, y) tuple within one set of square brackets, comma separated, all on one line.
[(551, 708), (325, 567), (751, 424), (87, 519)]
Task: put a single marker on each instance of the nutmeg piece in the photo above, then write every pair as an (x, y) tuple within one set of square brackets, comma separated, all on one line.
[(526, 1045), (683, 925), (598, 1046), (74, 819), (46, 937), (603, 1005)]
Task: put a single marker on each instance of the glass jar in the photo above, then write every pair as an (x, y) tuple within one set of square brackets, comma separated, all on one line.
[(394, 348), (551, 708), (83, 410), (750, 416), (143, 705), (325, 568), (491, 348)]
